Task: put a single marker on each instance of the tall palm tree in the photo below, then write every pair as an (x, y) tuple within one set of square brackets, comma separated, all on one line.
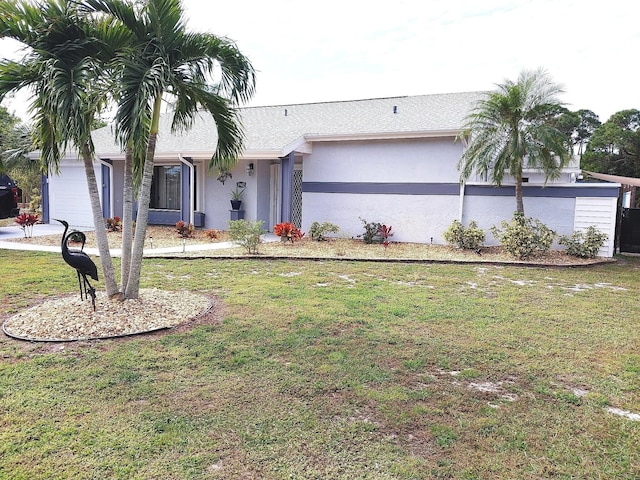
[(193, 71), (512, 128), (64, 68)]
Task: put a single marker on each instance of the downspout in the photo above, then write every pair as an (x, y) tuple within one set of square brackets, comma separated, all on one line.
[(109, 166), (463, 140), (192, 197)]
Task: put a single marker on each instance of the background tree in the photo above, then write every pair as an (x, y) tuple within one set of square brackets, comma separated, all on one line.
[(578, 126), (515, 126), (15, 143), (614, 147), (25, 171), (191, 71), (8, 124)]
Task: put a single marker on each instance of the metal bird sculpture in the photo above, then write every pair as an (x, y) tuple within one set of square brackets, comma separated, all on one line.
[(81, 262)]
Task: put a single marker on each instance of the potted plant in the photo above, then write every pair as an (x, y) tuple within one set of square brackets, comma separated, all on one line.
[(236, 197)]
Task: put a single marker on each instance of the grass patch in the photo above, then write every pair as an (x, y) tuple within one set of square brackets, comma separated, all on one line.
[(335, 370)]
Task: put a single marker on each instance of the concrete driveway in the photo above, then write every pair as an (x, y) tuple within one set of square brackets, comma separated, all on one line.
[(14, 231)]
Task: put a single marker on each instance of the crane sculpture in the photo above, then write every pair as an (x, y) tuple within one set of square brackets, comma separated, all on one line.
[(81, 262)]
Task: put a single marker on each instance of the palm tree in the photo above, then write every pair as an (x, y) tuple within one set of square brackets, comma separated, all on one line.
[(513, 127), (64, 68), (192, 71)]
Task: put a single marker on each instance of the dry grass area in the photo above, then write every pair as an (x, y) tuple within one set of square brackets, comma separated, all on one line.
[(334, 248), (156, 237), (356, 249)]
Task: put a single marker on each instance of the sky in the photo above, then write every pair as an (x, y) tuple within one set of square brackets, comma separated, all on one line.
[(330, 50)]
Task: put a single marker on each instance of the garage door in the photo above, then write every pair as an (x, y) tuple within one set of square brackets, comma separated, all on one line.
[(69, 196)]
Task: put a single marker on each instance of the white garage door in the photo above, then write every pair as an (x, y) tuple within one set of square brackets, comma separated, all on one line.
[(69, 196)]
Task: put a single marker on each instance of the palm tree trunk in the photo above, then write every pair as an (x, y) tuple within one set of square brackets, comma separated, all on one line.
[(127, 218), (519, 202), (111, 285), (144, 198)]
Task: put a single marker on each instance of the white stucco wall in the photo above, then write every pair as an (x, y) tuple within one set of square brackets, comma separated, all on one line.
[(415, 160), (69, 194), (217, 197), (418, 217), (414, 218), (487, 211)]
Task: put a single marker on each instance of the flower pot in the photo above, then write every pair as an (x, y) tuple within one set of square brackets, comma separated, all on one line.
[(235, 204)]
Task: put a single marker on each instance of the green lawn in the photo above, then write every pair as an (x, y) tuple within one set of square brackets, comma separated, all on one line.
[(335, 370)]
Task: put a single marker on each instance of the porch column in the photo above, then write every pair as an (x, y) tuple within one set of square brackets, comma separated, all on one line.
[(286, 182), (106, 188), (185, 190), (44, 199)]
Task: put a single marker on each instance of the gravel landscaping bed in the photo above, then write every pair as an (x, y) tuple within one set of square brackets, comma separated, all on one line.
[(68, 318)]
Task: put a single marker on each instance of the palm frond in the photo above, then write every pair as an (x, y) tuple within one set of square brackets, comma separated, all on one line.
[(513, 125)]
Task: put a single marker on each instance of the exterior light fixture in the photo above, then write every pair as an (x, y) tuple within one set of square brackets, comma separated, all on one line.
[(250, 169)]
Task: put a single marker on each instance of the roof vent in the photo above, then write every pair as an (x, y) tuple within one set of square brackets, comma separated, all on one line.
[(395, 109), (285, 112)]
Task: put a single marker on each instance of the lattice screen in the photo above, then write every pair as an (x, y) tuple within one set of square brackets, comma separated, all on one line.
[(296, 212)]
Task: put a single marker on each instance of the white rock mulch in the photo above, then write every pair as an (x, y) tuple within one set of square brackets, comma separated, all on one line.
[(68, 318)]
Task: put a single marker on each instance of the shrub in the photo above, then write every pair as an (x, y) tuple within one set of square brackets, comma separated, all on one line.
[(34, 204), (318, 231), (468, 238), (76, 237), (114, 224), (246, 234), (385, 233), (212, 234), (26, 221), (523, 236), (584, 244), (371, 232), (184, 229), (288, 231)]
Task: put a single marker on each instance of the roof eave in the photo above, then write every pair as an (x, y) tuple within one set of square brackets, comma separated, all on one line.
[(311, 137)]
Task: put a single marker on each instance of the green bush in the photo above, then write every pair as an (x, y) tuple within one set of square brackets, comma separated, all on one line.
[(246, 234), (318, 231), (523, 236), (469, 238), (584, 244), (371, 232)]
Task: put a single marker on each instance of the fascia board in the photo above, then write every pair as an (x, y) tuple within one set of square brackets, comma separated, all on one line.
[(381, 135)]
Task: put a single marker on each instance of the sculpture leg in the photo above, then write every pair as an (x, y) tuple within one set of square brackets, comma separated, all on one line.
[(80, 285), (90, 292)]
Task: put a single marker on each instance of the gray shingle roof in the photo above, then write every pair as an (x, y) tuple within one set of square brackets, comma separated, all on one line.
[(274, 128)]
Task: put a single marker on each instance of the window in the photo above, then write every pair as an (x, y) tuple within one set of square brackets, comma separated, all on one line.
[(165, 189)]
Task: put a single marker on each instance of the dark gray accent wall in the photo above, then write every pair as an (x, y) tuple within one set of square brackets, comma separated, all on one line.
[(164, 217), (583, 190), (382, 188)]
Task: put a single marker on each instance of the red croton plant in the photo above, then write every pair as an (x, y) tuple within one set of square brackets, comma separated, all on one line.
[(288, 231), (26, 222)]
